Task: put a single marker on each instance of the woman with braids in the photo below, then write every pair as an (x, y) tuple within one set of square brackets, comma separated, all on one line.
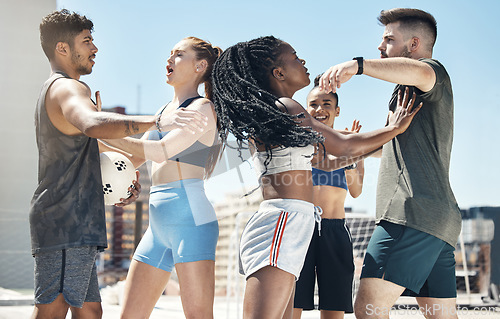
[(183, 228), (254, 83)]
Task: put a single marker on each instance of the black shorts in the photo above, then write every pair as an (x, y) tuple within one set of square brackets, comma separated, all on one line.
[(330, 259)]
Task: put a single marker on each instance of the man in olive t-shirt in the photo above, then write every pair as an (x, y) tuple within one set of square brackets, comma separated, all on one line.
[(418, 220)]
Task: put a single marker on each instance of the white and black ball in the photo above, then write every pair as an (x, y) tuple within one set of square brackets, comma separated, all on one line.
[(117, 173)]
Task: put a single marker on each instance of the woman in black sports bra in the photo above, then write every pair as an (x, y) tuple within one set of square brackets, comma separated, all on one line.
[(183, 228)]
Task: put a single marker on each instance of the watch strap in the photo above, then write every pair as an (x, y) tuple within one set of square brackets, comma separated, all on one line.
[(360, 64)]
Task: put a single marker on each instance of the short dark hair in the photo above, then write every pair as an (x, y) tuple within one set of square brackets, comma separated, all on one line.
[(61, 26), (411, 19)]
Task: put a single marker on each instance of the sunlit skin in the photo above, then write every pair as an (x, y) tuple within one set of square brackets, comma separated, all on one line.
[(71, 110), (292, 73), (404, 48), (323, 107), (145, 283), (183, 76), (376, 292), (183, 72), (81, 53), (269, 291), (291, 76), (181, 64), (84, 52), (394, 42)]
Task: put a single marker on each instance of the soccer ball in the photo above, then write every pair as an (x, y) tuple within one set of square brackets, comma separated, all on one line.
[(117, 173)]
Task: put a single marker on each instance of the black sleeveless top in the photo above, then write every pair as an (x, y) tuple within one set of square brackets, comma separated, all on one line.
[(67, 209), (197, 154)]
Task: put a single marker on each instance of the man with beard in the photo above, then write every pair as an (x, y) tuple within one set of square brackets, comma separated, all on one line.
[(418, 219), (67, 218)]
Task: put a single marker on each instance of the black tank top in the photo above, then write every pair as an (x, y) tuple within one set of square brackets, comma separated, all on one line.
[(67, 209)]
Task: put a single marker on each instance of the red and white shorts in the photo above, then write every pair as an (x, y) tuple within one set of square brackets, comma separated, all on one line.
[(278, 235)]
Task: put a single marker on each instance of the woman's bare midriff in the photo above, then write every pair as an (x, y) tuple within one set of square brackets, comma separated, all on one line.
[(289, 185), (172, 171), (331, 200)]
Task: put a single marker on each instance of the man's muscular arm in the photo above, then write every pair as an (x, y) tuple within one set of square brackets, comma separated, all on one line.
[(72, 111), (404, 71)]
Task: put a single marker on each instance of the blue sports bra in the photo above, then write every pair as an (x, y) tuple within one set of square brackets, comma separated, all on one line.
[(197, 154), (334, 178)]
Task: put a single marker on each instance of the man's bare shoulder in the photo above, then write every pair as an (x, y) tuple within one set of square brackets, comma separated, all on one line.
[(64, 102), (66, 87)]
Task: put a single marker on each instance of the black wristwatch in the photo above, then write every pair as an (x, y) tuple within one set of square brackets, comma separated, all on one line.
[(360, 64)]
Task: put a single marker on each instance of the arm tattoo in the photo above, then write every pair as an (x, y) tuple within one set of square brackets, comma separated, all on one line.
[(131, 128), (127, 128), (135, 127)]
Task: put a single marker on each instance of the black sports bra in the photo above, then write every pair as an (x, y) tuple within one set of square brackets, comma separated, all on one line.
[(197, 154)]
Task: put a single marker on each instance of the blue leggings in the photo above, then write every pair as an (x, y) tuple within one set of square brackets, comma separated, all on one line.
[(182, 228)]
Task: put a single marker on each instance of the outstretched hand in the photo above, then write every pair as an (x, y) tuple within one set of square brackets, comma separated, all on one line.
[(404, 113), (191, 121), (355, 127), (331, 80)]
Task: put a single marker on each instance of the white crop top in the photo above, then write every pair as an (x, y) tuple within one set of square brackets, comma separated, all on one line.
[(284, 159)]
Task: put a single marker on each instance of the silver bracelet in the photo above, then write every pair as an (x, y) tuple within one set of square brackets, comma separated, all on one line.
[(352, 166), (157, 122)]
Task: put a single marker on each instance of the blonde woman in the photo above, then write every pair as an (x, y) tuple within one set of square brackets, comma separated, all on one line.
[(183, 228)]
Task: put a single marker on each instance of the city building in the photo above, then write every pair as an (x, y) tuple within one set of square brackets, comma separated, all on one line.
[(233, 213)]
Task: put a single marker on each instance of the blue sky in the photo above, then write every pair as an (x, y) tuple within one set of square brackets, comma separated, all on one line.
[(135, 37)]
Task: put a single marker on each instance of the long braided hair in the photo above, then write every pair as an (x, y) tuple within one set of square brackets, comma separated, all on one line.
[(243, 100)]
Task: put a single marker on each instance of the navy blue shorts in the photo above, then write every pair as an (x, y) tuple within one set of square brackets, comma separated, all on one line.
[(420, 262), (330, 260)]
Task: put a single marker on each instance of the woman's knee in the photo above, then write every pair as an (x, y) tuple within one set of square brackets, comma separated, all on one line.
[(198, 312)]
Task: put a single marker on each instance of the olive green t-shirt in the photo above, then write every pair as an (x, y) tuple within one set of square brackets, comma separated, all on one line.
[(413, 185)]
